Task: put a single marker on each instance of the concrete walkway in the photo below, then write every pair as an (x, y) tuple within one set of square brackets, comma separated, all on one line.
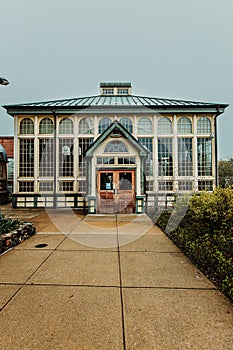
[(107, 282)]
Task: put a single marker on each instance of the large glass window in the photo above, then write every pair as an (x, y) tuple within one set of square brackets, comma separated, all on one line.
[(203, 125), (84, 145), (165, 185), (66, 186), (185, 185), (185, 157), (104, 123), (66, 159), (26, 126), (165, 159), (148, 143), (46, 153), (46, 186), (127, 123), (204, 149), (26, 186), (115, 147), (184, 126), (66, 126), (85, 126), (205, 185), (145, 126), (46, 126), (26, 158), (164, 126)]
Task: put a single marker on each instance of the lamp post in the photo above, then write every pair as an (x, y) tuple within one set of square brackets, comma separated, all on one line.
[(4, 81)]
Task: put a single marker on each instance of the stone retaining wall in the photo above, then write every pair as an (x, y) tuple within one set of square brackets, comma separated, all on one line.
[(13, 238)]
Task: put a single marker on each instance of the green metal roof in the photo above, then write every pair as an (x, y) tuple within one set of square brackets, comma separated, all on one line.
[(118, 100), (114, 84)]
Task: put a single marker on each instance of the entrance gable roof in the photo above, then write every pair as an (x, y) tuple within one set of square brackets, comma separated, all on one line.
[(142, 150)]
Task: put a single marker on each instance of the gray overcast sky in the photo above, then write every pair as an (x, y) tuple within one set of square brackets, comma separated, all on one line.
[(53, 49)]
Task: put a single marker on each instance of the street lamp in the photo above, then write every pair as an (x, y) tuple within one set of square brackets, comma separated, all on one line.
[(4, 81)]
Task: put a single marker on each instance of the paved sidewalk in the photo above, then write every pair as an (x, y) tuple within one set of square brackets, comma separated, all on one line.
[(107, 282)]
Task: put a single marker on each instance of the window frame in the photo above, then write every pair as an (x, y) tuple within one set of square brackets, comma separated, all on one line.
[(147, 126), (32, 123), (161, 129)]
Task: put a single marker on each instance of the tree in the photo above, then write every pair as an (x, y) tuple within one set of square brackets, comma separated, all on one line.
[(225, 173)]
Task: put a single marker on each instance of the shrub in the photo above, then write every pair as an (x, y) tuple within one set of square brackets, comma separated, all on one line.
[(7, 225), (205, 234)]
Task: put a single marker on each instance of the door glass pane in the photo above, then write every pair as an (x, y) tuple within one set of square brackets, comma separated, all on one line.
[(106, 181), (125, 181)]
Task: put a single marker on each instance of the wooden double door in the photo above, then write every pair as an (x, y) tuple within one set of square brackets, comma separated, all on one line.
[(116, 191)]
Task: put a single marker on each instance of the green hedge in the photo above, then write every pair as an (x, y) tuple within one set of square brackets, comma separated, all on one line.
[(205, 233)]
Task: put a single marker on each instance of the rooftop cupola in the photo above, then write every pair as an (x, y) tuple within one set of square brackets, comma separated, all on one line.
[(115, 88)]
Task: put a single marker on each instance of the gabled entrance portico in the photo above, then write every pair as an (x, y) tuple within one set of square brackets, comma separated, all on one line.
[(115, 172)]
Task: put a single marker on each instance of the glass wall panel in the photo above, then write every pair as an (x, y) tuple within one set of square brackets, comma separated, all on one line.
[(203, 125), (84, 144), (104, 123), (46, 126), (127, 123), (85, 126), (26, 126), (204, 149), (145, 126), (46, 156), (165, 157), (148, 143), (66, 158), (26, 158), (184, 126), (164, 126), (66, 126), (185, 157)]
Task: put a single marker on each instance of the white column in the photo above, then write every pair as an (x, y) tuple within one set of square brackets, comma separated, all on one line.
[(135, 126), (175, 154), (155, 155), (195, 157), (95, 127), (36, 154), (74, 118)]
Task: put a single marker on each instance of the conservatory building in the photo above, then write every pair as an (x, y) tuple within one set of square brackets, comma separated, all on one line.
[(114, 152)]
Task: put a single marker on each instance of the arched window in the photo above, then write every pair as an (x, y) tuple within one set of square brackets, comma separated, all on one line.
[(127, 123), (66, 126), (115, 147), (184, 126), (164, 126), (46, 126), (85, 126), (26, 126), (104, 123), (144, 126), (203, 125)]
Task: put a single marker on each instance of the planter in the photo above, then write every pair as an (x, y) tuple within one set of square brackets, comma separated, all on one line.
[(13, 238)]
